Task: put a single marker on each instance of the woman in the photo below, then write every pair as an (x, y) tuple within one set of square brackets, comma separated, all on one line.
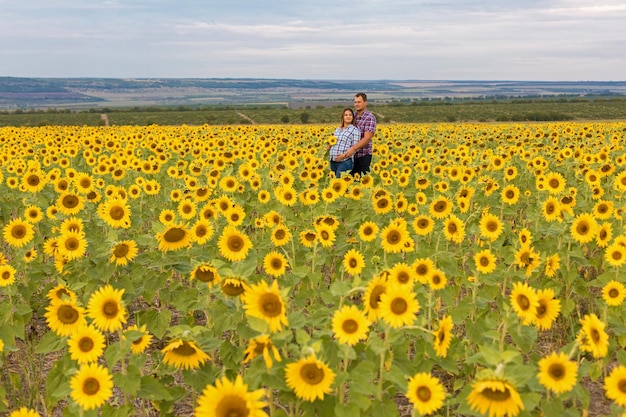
[(347, 135)]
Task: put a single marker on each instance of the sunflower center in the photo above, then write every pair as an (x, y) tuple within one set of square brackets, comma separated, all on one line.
[(86, 344), (484, 261), (232, 406), (554, 183), (110, 309), (582, 228), (496, 395), (117, 212), (424, 394), (510, 194), (312, 374), (595, 336), (550, 208), (441, 335), (6, 275), (436, 279), (440, 207), (556, 371), (394, 237), (541, 310), (621, 385), (70, 201), (613, 293), (279, 234), (18, 232), (403, 277), (187, 209), (271, 305), (616, 255), (352, 263), (121, 250), (205, 275), (33, 180), (185, 350), (375, 297), (72, 244), (276, 263), (350, 326), (368, 231), (91, 386), (235, 243), (398, 306), (232, 289), (67, 314), (382, 203), (201, 231), (452, 229), (523, 302), (174, 235)]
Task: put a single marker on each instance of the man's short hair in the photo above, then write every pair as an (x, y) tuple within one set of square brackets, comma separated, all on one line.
[(362, 95)]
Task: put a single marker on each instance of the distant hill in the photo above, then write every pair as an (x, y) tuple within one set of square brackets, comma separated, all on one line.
[(83, 93)]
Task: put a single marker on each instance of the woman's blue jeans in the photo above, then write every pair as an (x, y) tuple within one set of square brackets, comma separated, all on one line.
[(339, 167)]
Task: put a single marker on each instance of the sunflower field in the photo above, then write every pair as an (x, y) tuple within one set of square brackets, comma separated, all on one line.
[(477, 270)]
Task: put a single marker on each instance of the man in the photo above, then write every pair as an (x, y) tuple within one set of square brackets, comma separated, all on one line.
[(362, 150)]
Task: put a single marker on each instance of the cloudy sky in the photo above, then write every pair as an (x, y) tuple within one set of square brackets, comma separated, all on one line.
[(366, 40)]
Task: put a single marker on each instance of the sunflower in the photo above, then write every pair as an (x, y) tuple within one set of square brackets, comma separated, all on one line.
[(423, 225), (524, 301), (65, 318), (141, 342), (551, 209), (398, 307), (440, 207), (106, 310), (584, 228), (495, 396), (286, 195), (308, 238), (262, 345), (490, 226), (280, 235), (350, 325), (393, 238), (123, 252), (61, 293), (557, 373), (353, 262), (275, 264), (426, 393), (175, 237), (325, 235), (402, 274), (443, 336), (382, 205), (373, 292), (265, 302), (184, 354), (547, 310), (604, 235), (592, 337), (72, 245), (86, 345), (310, 378), (437, 279), (91, 386), (18, 233), (72, 224), (485, 261), (614, 293), (233, 244), (33, 214), (115, 212), (167, 216), (69, 203), (554, 183), (368, 231), (24, 412), (201, 231), (186, 209), (234, 287), (553, 264), (228, 398), (615, 254), (423, 268), (526, 257), (30, 255), (7, 275), (615, 385), (454, 229), (510, 194)]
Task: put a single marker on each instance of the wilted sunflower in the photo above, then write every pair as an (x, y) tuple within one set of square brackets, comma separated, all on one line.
[(72, 245), (265, 302), (184, 354), (371, 299), (398, 307), (350, 325), (548, 309), (614, 293), (140, 341), (584, 228), (7, 275), (115, 212), (310, 378), (18, 233), (175, 237), (615, 385), (227, 399), (106, 309), (233, 244), (86, 345), (353, 262), (426, 393), (262, 345), (123, 252), (485, 261), (368, 231), (65, 318), (454, 229), (557, 373), (592, 337), (496, 397), (275, 264), (91, 386), (524, 301), (490, 226)]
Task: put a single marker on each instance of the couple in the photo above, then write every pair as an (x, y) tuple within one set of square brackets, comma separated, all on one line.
[(353, 150)]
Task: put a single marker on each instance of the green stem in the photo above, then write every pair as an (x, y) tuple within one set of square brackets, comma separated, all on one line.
[(382, 364)]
